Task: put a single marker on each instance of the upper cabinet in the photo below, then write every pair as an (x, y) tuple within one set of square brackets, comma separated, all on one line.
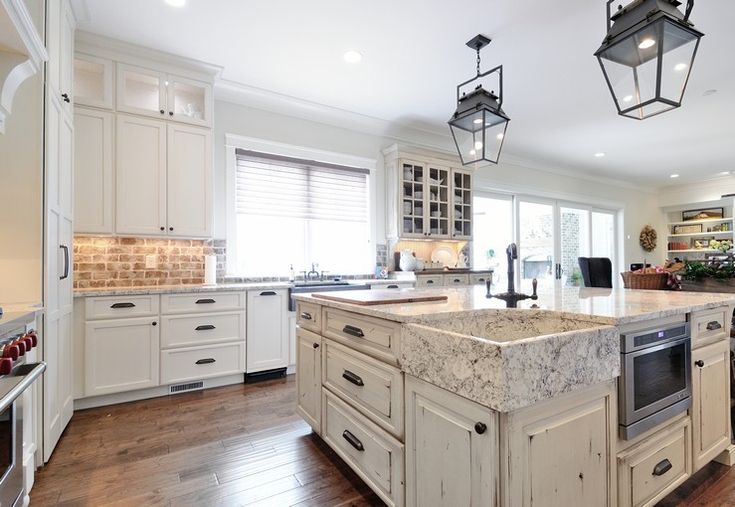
[(59, 72), (93, 84), (157, 94), (428, 199)]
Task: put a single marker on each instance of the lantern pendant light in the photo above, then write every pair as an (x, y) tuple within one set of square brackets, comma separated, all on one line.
[(647, 56), (478, 125)]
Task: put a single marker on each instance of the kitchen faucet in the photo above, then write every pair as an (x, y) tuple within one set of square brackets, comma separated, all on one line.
[(313, 274), (512, 297)]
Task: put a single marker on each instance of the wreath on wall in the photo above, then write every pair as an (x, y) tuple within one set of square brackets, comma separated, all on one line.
[(648, 238)]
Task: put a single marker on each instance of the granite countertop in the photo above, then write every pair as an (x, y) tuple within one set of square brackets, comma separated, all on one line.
[(17, 314), (220, 287), (506, 359)]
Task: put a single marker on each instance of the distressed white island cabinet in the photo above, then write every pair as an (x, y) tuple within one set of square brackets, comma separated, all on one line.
[(467, 403)]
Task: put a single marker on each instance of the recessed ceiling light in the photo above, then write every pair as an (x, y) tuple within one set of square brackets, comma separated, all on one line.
[(627, 98), (680, 66), (176, 3), (673, 176), (724, 173), (599, 154), (646, 43), (709, 92), (352, 56)]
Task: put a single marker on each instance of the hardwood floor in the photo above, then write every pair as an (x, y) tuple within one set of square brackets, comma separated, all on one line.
[(235, 445)]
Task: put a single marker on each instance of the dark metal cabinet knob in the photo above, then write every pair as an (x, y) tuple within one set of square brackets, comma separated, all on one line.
[(699, 363), (163, 112), (480, 428), (66, 98), (163, 228), (316, 345), (170, 228), (154, 323), (170, 113)]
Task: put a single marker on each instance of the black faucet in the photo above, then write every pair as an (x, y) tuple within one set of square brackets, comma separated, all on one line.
[(512, 297)]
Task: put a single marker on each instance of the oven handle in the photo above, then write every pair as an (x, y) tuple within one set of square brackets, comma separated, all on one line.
[(30, 373)]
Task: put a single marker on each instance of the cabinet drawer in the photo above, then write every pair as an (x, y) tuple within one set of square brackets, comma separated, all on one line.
[(429, 281), (115, 307), (392, 285), (456, 280), (651, 470), (196, 363), (709, 327), (480, 278), (373, 454), (202, 302), (309, 316), (375, 337), (193, 330), (366, 383)]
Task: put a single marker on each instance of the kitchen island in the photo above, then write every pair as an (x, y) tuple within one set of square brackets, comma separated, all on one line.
[(466, 402)]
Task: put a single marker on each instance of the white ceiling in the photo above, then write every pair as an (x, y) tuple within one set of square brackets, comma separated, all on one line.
[(414, 56)]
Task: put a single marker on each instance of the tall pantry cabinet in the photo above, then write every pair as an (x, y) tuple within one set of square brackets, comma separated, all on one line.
[(58, 403)]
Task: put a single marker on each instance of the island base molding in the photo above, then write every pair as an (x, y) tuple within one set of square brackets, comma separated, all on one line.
[(727, 457)]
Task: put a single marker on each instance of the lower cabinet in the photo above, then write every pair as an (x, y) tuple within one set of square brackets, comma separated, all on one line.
[(199, 363), (309, 377), (710, 401), (451, 448), (650, 470), (267, 343), (121, 355)]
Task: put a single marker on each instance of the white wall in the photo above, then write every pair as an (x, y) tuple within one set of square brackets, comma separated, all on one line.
[(640, 207), (21, 191)]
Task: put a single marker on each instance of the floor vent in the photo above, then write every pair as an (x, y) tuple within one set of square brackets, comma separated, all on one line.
[(192, 386)]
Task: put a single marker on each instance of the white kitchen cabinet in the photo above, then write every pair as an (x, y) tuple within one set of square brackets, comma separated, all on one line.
[(93, 171), (309, 377), (710, 402), (461, 204), (189, 181), (157, 94), (93, 81), (267, 344), (60, 44), (291, 332), (141, 176), (121, 355), (458, 438)]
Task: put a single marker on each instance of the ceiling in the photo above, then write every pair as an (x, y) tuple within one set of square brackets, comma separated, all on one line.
[(414, 56)]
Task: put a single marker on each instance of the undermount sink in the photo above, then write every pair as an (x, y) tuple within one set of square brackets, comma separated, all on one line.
[(503, 326), (325, 283)]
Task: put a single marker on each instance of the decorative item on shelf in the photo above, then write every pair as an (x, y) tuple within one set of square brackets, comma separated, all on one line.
[(647, 55), (463, 261), (407, 261), (723, 246), (703, 214), (678, 245), (648, 238), (479, 124), (701, 243), (687, 229), (420, 265)]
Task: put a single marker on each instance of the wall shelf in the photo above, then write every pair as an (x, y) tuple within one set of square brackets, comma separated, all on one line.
[(701, 234)]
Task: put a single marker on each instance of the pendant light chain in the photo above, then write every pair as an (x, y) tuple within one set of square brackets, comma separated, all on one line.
[(478, 61)]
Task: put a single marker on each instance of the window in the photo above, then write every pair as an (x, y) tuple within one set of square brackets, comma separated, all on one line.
[(493, 231), (297, 212)]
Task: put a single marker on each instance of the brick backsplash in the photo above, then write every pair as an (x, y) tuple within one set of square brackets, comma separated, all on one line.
[(120, 262)]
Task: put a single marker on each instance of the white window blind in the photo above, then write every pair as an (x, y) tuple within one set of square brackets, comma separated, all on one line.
[(276, 186)]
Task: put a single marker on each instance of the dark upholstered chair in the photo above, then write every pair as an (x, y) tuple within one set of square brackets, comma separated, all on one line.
[(596, 271)]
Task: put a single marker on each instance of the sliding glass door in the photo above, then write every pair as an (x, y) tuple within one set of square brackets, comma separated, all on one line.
[(536, 241), (493, 232)]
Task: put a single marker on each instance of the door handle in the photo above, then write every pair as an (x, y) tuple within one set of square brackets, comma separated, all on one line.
[(208, 360), (711, 326), (123, 305), (353, 440), (65, 248), (204, 301), (205, 327), (352, 378), (662, 467), (353, 331), (268, 293)]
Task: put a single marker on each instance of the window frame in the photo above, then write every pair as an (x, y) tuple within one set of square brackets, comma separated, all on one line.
[(233, 142)]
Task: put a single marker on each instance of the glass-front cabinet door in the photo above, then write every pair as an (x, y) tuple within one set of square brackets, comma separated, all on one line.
[(438, 180), (412, 210), (141, 91), (93, 81), (461, 205), (189, 100)]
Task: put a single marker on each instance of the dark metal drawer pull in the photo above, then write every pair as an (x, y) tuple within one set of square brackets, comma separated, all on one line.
[(392, 287), (268, 293), (711, 326), (205, 301), (205, 327), (123, 305), (305, 315), (354, 331), (351, 377), (209, 360), (662, 467), (353, 440), (429, 282)]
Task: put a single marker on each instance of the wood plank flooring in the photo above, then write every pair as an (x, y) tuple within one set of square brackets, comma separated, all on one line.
[(234, 445), (230, 446)]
